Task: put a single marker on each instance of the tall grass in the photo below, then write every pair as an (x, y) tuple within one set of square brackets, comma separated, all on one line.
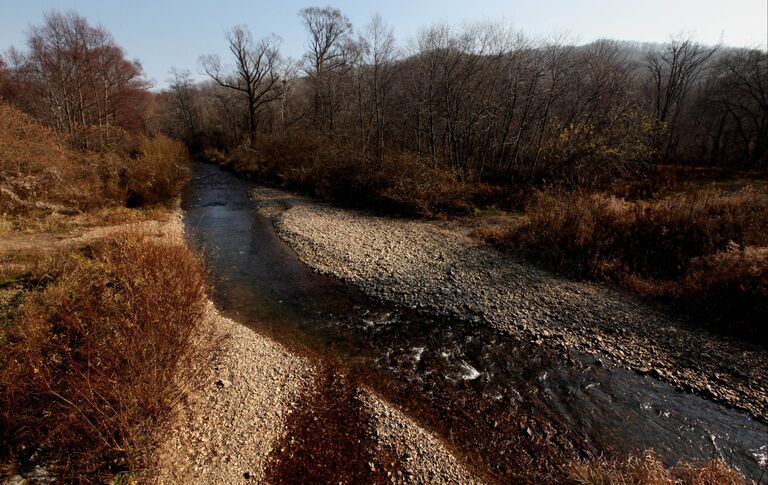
[(96, 362), (705, 250), (649, 470), (40, 172)]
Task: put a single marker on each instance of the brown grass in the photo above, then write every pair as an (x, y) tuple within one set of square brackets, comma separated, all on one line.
[(40, 173), (399, 182), (98, 357), (705, 249), (649, 470)]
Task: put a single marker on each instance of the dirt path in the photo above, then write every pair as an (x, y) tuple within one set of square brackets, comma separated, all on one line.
[(45, 242), (421, 264)]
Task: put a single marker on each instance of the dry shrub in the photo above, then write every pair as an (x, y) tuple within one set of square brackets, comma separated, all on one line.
[(158, 174), (418, 187), (274, 158), (98, 360), (656, 179), (731, 285), (41, 172), (683, 248), (649, 470), (399, 182)]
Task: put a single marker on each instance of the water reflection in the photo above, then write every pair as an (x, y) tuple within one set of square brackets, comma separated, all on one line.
[(495, 398)]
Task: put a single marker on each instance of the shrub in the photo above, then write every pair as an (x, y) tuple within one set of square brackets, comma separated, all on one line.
[(588, 155), (98, 360), (158, 174), (649, 470), (682, 248), (731, 285)]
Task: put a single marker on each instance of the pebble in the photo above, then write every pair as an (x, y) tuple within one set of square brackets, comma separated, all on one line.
[(493, 288)]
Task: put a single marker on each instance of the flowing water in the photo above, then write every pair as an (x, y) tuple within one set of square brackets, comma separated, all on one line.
[(500, 402)]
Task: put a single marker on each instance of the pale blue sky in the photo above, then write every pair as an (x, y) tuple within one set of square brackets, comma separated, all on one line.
[(165, 33)]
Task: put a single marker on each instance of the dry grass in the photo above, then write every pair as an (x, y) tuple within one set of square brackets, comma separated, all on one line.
[(399, 183), (98, 356), (649, 470), (41, 174), (60, 225), (705, 249)]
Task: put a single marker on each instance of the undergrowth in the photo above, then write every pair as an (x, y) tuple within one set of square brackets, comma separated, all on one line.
[(648, 469), (398, 182), (705, 251), (98, 356), (42, 173)]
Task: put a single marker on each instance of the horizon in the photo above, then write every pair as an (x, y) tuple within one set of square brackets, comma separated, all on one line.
[(707, 22)]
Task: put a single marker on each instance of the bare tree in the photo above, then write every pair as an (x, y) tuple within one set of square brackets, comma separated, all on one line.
[(381, 59), (76, 76), (183, 89), (673, 71), (732, 110), (256, 71), (327, 49), (484, 101)]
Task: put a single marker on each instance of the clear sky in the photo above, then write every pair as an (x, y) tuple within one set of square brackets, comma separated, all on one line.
[(166, 33)]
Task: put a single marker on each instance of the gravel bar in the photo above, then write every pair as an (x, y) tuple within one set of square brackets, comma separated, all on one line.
[(422, 264)]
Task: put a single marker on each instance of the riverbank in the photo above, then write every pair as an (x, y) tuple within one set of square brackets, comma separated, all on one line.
[(423, 264), (73, 408), (264, 413), (259, 411)]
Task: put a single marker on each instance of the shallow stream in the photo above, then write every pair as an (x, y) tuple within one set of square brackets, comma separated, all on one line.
[(500, 402)]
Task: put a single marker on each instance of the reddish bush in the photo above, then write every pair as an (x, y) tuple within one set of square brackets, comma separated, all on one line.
[(679, 248), (97, 361), (157, 174)]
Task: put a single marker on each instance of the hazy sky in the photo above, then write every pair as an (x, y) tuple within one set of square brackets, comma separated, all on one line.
[(165, 33)]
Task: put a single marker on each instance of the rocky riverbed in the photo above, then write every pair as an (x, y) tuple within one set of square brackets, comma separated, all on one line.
[(265, 413), (421, 264)]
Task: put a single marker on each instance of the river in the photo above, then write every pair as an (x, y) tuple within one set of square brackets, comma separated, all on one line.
[(499, 402)]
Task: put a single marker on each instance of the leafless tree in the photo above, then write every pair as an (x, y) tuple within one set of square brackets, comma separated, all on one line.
[(381, 60), (255, 75), (76, 76), (673, 71), (732, 109), (485, 101), (327, 51), (183, 90)]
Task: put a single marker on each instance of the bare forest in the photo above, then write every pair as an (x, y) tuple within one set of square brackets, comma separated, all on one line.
[(482, 101)]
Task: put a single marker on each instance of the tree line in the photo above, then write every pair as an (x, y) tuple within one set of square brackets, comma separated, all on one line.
[(483, 100), (75, 78)]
